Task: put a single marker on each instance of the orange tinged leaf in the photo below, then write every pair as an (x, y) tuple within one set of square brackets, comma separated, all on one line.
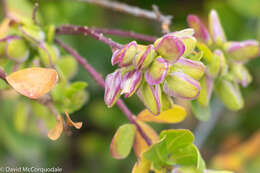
[(142, 166), (4, 27), (69, 122), (139, 144), (55, 133), (33, 82), (173, 115)]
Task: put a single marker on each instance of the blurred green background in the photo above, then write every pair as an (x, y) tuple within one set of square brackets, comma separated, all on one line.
[(87, 149)]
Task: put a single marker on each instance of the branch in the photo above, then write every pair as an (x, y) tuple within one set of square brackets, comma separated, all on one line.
[(98, 78), (3, 75), (122, 33), (70, 29), (135, 11), (35, 8), (4, 7)]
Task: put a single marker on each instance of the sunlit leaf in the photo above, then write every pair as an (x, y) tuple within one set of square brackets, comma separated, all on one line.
[(141, 166), (175, 148), (69, 122), (122, 141), (55, 133), (140, 145), (33, 82), (173, 115)]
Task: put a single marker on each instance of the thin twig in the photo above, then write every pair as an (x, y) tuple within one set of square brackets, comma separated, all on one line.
[(4, 7), (98, 78), (3, 75), (71, 29), (122, 33), (135, 11), (35, 8)]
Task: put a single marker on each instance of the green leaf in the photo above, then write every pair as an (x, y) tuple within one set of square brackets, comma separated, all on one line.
[(74, 88), (122, 141), (201, 112), (175, 148)]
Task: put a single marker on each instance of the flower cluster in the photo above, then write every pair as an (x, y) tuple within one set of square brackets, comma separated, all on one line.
[(224, 60), (156, 72)]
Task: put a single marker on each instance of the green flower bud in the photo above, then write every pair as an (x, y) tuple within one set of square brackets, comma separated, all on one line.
[(167, 102), (214, 66), (241, 74), (179, 84), (124, 56), (33, 33), (206, 86), (144, 57), (170, 47), (68, 66), (229, 93), (17, 50), (151, 97), (195, 69), (223, 64), (242, 51), (48, 54)]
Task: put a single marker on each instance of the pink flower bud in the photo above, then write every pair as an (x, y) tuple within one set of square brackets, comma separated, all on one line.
[(195, 69), (178, 84), (215, 28), (151, 97), (170, 48), (131, 82), (124, 56), (144, 57), (242, 51), (112, 88), (156, 73), (201, 32)]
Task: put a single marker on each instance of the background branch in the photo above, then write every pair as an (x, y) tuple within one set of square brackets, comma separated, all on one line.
[(135, 11), (98, 78)]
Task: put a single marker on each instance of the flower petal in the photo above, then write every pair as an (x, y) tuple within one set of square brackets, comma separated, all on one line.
[(55, 133), (131, 82), (206, 85), (195, 69), (156, 73), (242, 51), (201, 32), (151, 97), (215, 28), (124, 56), (112, 88), (170, 47), (144, 57), (178, 84)]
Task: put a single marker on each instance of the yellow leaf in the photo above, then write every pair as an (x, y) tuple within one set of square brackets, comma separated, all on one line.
[(69, 122), (55, 133), (142, 166), (140, 144), (173, 115), (33, 82)]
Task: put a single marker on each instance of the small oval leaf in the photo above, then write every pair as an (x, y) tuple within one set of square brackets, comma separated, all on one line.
[(122, 141), (174, 115), (33, 82)]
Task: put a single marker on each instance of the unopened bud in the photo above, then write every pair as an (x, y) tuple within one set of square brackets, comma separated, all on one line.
[(131, 82), (223, 68), (195, 69), (151, 97), (112, 88), (48, 54), (229, 93), (144, 57), (170, 48), (206, 86), (179, 84), (124, 56), (242, 51), (241, 74), (156, 73), (216, 29), (201, 32), (17, 50)]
